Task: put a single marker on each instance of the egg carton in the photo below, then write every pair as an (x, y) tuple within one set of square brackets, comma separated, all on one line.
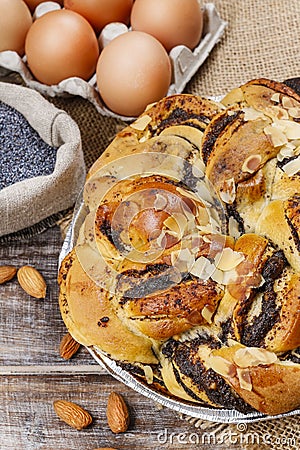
[(185, 63)]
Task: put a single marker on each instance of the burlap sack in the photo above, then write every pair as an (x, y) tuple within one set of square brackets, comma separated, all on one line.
[(28, 202)]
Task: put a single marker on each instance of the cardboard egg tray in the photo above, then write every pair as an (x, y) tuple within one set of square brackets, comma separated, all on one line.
[(185, 63)]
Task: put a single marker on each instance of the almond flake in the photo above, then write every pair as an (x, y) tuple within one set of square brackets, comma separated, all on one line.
[(233, 228), (252, 114), (229, 259), (253, 356), (251, 164), (276, 135), (286, 152), (205, 228), (185, 260), (230, 277), (244, 379), (221, 366), (288, 103), (203, 193), (148, 374), (146, 136), (174, 257), (275, 97), (141, 123), (218, 276), (177, 223), (294, 112), (290, 128), (171, 224), (292, 167), (202, 268), (207, 313), (150, 106), (198, 168), (228, 192), (188, 194), (160, 202), (276, 112)]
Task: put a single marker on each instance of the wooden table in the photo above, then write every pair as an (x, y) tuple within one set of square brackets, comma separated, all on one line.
[(33, 374)]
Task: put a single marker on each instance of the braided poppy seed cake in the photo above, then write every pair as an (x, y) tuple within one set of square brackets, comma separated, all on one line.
[(186, 270)]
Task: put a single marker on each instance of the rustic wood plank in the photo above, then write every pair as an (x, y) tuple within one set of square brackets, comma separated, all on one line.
[(28, 420), (31, 329)]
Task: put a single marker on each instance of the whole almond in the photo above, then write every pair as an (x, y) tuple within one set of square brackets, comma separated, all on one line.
[(7, 273), (117, 413), (68, 346), (32, 281), (72, 414)]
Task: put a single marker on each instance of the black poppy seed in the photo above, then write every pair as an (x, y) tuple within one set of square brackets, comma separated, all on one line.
[(23, 153)]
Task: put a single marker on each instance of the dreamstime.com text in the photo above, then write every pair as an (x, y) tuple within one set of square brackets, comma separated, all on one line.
[(240, 435)]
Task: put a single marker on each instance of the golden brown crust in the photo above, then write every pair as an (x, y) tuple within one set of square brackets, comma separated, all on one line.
[(249, 295), (270, 388), (180, 109), (87, 312), (225, 152), (174, 311), (278, 222)]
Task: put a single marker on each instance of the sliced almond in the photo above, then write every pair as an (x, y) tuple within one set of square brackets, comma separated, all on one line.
[(202, 268), (228, 259), (251, 164), (185, 260), (141, 123), (276, 112), (288, 103), (253, 356), (230, 277), (146, 136), (218, 276), (276, 97), (228, 191), (221, 366), (150, 105), (252, 114), (233, 228), (160, 202), (290, 128), (207, 312), (286, 151), (177, 222), (198, 168), (244, 379), (292, 167), (148, 374), (188, 194), (294, 112), (276, 135)]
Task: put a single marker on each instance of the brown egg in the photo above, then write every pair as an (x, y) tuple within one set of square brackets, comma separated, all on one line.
[(101, 12), (172, 22), (59, 45), (34, 3), (133, 70), (15, 21)]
